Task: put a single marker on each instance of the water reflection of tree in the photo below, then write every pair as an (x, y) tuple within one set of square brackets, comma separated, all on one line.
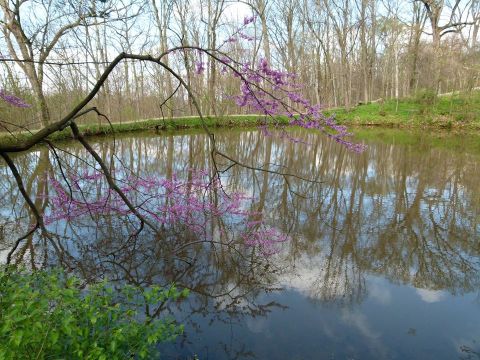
[(35, 166), (409, 214), (395, 211), (429, 240)]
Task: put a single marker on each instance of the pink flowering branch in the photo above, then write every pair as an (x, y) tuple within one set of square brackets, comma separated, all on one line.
[(239, 32), (167, 202), (302, 113)]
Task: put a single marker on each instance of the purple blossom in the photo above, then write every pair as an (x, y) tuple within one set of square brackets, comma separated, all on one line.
[(225, 60), (13, 100), (199, 67), (248, 19), (301, 112), (266, 239), (246, 37)]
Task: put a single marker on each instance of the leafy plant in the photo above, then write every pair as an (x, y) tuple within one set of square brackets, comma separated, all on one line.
[(426, 99), (47, 314)]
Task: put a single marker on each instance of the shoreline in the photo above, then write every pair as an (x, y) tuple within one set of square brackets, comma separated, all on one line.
[(238, 121)]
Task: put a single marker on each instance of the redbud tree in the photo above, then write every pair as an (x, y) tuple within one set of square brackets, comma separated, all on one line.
[(158, 203)]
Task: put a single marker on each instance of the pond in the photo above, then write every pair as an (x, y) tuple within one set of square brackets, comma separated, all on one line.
[(381, 261)]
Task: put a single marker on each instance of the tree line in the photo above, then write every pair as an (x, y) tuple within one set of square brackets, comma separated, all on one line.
[(342, 52)]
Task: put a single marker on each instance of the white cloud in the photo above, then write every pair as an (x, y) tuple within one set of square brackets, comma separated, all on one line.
[(380, 293), (431, 296)]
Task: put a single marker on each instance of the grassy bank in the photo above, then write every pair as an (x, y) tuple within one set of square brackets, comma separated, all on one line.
[(424, 110), (191, 122)]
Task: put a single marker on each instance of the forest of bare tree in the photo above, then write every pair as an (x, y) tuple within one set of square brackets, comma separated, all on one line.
[(343, 52)]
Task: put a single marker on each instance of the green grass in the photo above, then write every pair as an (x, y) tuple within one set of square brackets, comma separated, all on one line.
[(455, 111), (167, 125)]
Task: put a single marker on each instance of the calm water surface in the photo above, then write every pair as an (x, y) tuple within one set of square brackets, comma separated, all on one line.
[(383, 259)]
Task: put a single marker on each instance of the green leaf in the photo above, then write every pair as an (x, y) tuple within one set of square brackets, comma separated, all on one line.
[(17, 338), (113, 345), (54, 336)]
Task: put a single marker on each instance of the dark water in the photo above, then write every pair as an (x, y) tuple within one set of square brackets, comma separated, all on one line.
[(382, 263)]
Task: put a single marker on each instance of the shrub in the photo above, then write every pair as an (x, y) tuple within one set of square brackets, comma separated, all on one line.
[(47, 314), (426, 97)]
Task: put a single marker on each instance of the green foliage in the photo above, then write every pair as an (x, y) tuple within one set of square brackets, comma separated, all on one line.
[(425, 99), (460, 110), (47, 314)]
